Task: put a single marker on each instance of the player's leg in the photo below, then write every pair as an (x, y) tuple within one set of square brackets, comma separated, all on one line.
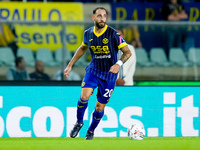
[(83, 103), (88, 86), (81, 107), (105, 89), (96, 117)]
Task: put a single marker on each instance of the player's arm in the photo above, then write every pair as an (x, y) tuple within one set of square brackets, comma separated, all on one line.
[(125, 56), (79, 53)]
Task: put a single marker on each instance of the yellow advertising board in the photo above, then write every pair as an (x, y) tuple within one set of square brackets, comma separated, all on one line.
[(40, 35)]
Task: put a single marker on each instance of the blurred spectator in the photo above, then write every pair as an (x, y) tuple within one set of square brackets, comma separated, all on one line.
[(132, 36), (173, 10), (73, 76), (127, 70), (18, 72), (39, 74), (7, 37)]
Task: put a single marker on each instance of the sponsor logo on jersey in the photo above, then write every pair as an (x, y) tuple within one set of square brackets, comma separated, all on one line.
[(102, 56), (100, 49)]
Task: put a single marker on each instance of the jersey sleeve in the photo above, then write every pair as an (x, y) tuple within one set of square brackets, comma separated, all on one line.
[(120, 41), (85, 43)]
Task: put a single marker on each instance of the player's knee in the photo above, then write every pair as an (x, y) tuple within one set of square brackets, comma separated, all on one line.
[(85, 96), (86, 93), (99, 108)]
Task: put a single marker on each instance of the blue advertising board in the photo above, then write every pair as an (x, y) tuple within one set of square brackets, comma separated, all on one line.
[(149, 11), (50, 111), (136, 11)]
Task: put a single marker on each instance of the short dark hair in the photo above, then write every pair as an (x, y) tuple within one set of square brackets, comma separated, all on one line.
[(18, 60), (94, 11)]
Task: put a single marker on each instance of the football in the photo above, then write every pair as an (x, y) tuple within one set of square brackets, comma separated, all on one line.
[(136, 132)]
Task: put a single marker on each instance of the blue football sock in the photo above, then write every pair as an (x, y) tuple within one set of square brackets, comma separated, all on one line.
[(96, 119), (81, 107)]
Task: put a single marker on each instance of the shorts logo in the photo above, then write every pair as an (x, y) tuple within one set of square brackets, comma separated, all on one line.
[(83, 83), (105, 41)]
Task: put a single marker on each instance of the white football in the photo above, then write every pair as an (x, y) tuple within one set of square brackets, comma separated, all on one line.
[(136, 132)]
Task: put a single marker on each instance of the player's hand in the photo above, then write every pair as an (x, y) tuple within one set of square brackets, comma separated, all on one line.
[(67, 70), (114, 69)]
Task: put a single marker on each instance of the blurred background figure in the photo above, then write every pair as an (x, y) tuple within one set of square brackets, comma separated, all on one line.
[(173, 10), (73, 76), (127, 70), (7, 37), (19, 71), (132, 36), (39, 74)]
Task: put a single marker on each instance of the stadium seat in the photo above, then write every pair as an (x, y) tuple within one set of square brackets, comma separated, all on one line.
[(82, 61), (177, 56), (194, 55), (59, 55), (46, 55), (158, 56), (7, 57), (27, 54), (142, 58)]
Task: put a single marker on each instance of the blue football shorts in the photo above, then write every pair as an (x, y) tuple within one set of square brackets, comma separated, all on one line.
[(105, 88)]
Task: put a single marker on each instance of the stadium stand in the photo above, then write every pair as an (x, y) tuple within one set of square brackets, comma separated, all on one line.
[(27, 54), (149, 31), (194, 55), (178, 57), (46, 55), (158, 56), (142, 58), (59, 55), (7, 57), (82, 61)]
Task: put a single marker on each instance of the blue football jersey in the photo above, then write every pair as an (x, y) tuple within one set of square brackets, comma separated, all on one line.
[(103, 49)]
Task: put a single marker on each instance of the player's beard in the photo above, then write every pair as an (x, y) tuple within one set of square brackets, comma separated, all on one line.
[(100, 25)]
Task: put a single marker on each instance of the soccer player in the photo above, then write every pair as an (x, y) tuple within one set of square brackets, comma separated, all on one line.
[(103, 42)]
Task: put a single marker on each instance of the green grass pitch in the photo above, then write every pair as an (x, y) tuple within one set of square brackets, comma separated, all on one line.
[(148, 143)]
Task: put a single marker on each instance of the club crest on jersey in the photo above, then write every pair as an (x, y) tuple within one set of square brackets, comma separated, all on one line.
[(105, 41), (83, 83)]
